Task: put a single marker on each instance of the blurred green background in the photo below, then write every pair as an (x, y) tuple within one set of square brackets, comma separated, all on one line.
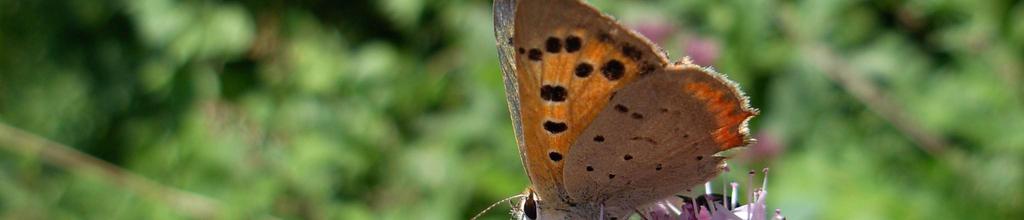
[(394, 109)]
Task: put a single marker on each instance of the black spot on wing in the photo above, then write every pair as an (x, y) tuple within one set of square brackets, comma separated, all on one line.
[(553, 93), (583, 69), (613, 70), (555, 156), (621, 108), (647, 68), (573, 44), (553, 45), (645, 139), (604, 37), (632, 52), (555, 127), (535, 54)]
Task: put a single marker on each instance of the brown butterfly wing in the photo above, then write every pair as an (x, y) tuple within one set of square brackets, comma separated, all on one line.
[(569, 59), (657, 137)]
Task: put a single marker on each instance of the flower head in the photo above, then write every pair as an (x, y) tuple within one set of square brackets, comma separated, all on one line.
[(715, 206)]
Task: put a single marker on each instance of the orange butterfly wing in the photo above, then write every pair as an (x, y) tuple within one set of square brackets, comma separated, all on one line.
[(569, 59)]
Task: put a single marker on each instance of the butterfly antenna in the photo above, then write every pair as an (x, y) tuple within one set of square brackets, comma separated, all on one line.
[(496, 204)]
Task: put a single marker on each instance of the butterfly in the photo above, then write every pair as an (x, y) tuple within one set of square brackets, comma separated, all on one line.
[(604, 122)]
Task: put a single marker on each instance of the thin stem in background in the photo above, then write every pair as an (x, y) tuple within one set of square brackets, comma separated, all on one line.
[(849, 78), (78, 163)]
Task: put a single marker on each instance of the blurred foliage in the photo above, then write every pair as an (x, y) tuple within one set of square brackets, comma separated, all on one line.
[(394, 109)]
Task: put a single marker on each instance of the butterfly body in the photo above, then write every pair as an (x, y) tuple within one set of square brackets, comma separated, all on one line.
[(603, 121)]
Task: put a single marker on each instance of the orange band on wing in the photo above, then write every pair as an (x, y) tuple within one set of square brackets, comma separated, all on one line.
[(728, 112)]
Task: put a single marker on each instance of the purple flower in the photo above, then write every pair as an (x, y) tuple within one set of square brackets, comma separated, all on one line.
[(768, 146), (703, 51), (712, 206)]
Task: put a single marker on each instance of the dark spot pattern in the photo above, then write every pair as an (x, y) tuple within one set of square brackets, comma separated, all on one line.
[(621, 108), (700, 157), (664, 110), (553, 93), (611, 176), (590, 168), (631, 52), (555, 156), (647, 68), (553, 45), (613, 70), (522, 51), (583, 69), (599, 138), (535, 54), (658, 167), (636, 115), (604, 37), (627, 157), (647, 139), (555, 127), (573, 44)]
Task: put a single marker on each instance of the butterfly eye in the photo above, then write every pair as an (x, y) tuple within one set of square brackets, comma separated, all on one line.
[(530, 207)]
